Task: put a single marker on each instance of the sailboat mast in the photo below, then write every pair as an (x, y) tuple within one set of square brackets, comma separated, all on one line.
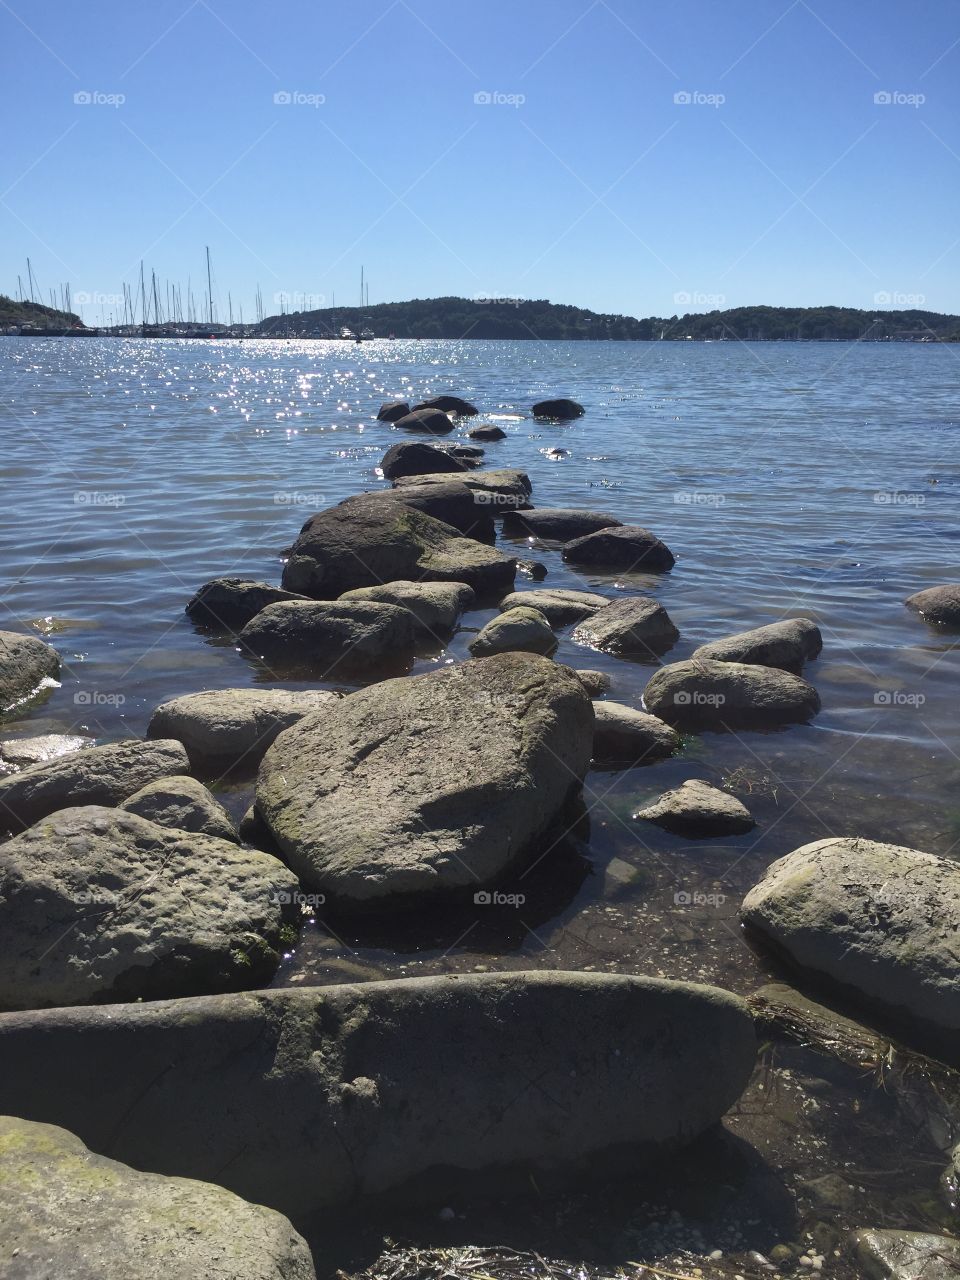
[(209, 290)]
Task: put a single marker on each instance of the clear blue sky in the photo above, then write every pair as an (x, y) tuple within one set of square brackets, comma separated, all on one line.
[(584, 181)]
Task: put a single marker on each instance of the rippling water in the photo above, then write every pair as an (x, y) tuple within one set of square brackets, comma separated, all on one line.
[(789, 479)]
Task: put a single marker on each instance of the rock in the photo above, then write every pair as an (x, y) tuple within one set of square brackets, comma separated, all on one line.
[(97, 775), (596, 683), (416, 458), (21, 752), (729, 695), (99, 905), (432, 783), (558, 409), (879, 919), (184, 804), (311, 1097), (534, 569), (334, 637), (516, 629), (504, 488), (435, 607), (228, 603), (624, 735), (70, 1214), (631, 627), (907, 1255), (786, 645), (558, 605), (938, 605), (230, 729), (469, 454), (25, 662), (627, 547), (366, 544), (444, 498), (696, 809), (392, 410), (782, 1011), (556, 524), (487, 433), (431, 421), (450, 404)]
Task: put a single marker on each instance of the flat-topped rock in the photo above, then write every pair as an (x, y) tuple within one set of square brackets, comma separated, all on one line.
[(231, 729), (625, 736), (97, 775), (444, 497), (499, 489), (558, 408), (428, 784), (417, 458), (25, 663), (705, 694), (432, 422), (450, 404), (183, 803), (226, 604), (335, 638), (628, 548), (557, 524), (938, 605), (100, 904), (21, 752), (520, 628), (907, 1255), (697, 810), (311, 1097), (787, 645), (434, 606), (71, 1214), (631, 627), (559, 605)]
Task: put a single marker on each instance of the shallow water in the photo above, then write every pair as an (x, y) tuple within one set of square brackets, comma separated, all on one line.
[(789, 479)]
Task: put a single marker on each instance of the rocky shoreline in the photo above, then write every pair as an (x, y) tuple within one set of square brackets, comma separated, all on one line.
[(142, 1061)]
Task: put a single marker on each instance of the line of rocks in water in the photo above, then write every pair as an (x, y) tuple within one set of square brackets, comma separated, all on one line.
[(124, 880)]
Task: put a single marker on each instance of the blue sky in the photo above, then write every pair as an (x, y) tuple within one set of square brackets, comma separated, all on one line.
[(304, 140)]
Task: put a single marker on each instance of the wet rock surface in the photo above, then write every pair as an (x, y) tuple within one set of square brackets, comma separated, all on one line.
[(559, 605), (334, 638), (435, 607), (519, 628), (632, 627), (696, 809), (786, 645), (559, 524), (629, 548), (938, 605), (705, 694), (183, 803), (227, 603), (25, 662), (626, 736)]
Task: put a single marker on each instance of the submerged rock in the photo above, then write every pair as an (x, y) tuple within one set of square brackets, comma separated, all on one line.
[(450, 404), (560, 408), (97, 775), (431, 421), (417, 458), (557, 524), (908, 1255), (431, 783), (183, 803), (392, 410), (698, 810), (333, 637), (71, 1214), (729, 695), (310, 1097), (786, 645), (623, 735), (101, 905), (558, 605), (878, 919), (632, 627), (939, 605), (25, 662), (485, 432), (628, 547), (21, 752), (434, 606), (228, 603), (231, 728), (520, 628)]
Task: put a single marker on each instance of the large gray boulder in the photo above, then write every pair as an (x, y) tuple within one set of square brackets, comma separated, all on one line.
[(433, 422), (558, 524), (631, 627), (184, 804), (880, 920), (558, 408), (520, 628), (787, 645), (938, 605), (487, 431), (628, 548), (68, 1213), (227, 603), (364, 544), (391, 410), (907, 1255), (417, 458), (334, 638), (97, 775), (729, 695), (230, 729), (450, 404), (428, 784), (25, 662), (623, 735), (435, 607), (496, 491), (445, 498), (558, 604), (101, 905), (697, 810), (301, 1098)]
